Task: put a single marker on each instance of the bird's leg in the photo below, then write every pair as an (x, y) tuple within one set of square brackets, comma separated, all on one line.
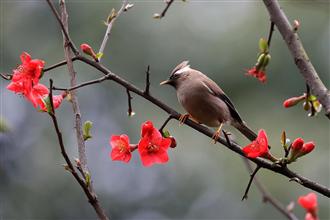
[(217, 134), (183, 118)]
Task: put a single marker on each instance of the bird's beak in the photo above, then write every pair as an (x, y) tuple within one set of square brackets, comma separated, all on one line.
[(165, 82)]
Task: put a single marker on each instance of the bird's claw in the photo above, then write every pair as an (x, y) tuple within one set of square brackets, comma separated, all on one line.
[(183, 118), (216, 136)]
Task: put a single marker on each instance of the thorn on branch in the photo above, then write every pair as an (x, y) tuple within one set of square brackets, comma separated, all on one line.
[(147, 89), (129, 97), (245, 196)]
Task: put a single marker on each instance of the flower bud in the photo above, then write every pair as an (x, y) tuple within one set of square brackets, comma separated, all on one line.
[(306, 106), (296, 25), (173, 142), (88, 50), (295, 150), (307, 148), (293, 101)]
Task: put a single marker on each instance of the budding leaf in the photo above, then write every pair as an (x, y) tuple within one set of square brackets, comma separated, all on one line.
[(263, 45), (87, 179), (87, 129), (112, 15), (283, 139), (99, 55), (166, 134)]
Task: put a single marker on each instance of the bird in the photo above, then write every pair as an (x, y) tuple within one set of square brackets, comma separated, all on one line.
[(205, 102)]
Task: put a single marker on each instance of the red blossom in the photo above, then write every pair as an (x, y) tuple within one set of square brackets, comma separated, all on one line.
[(26, 75), (120, 148), (259, 74), (152, 146), (309, 203), (309, 216), (259, 147)]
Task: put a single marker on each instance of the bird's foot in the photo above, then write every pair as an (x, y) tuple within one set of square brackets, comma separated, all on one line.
[(183, 118), (217, 134)]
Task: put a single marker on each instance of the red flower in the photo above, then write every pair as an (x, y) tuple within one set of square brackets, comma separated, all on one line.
[(309, 203), (120, 148), (293, 101), (259, 147), (259, 74), (152, 146)]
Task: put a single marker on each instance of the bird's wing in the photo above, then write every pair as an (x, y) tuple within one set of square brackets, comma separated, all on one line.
[(215, 90)]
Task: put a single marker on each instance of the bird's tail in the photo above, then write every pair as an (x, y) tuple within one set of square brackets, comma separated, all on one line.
[(245, 130)]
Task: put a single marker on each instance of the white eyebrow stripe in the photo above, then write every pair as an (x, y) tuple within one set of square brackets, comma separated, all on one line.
[(186, 68)]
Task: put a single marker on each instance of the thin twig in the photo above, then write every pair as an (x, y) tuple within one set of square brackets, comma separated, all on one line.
[(90, 195), (245, 196), (165, 123), (109, 27), (64, 30), (6, 76), (62, 63), (267, 197), (99, 80), (168, 4), (129, 98), (270, 35), (147, 89), (298, 53), (75, 106)]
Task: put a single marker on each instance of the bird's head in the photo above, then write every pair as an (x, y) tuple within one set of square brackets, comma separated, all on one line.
[(178, 74)]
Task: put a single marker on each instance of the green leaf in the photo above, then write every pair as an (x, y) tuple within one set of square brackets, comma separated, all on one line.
[(263, 45), (87, 129)]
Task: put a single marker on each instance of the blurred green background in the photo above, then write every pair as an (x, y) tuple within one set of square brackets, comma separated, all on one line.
[(202, 180)]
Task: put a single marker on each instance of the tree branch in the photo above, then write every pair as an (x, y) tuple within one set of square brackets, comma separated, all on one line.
[(90, 195), (202, 129), (168, 5), (109, 27), (267, 197), (75, 105), (298, 53), (64, 30), (147, 89), (129, 98), (245, 196)]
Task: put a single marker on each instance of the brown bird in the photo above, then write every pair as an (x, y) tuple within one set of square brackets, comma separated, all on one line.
[(205, 101)]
